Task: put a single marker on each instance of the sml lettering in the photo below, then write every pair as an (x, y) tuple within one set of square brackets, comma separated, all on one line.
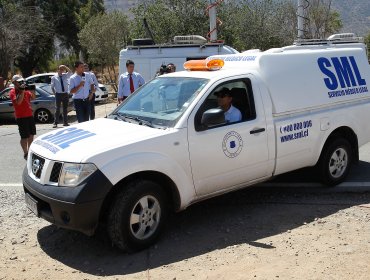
[(341, 71)]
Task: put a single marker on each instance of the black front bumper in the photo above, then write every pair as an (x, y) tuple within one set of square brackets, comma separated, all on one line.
[(77, 208)]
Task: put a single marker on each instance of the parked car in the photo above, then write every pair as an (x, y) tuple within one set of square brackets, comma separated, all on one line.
[(43, 106), (44, 78), (47, 87), (101, 93)]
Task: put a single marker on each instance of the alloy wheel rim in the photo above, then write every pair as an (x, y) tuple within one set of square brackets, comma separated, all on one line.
[(338, 163), (42, 116), (145, 217)]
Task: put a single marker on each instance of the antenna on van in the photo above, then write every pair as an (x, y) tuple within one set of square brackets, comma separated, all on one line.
[(302, 18), (213, 20), (148, 31)]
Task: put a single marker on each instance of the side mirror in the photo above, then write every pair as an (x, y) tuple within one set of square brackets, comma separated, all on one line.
[(213, 117)]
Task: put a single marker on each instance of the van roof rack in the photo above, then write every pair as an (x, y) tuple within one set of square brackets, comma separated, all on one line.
[(342, 38)]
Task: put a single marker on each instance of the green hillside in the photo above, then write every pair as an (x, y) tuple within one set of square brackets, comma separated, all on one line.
[(355, 15)]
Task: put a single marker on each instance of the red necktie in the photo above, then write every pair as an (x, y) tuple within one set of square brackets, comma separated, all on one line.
[(132, 89)]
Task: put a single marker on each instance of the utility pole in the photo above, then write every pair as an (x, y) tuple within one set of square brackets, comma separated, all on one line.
[(301, 19), (213, 21)]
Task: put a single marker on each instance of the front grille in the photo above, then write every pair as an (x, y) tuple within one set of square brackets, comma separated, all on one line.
[(37, 165), (55, 172), (104, 96)]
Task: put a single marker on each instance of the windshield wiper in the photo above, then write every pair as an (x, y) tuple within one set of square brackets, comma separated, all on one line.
[(139, 121), (130, 118), (119, 116), (127, 118)]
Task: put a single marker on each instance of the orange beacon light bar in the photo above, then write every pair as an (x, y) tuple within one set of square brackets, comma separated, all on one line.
[(204, 65)]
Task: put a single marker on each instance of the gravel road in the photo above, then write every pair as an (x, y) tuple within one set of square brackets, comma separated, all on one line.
[(251, 234)]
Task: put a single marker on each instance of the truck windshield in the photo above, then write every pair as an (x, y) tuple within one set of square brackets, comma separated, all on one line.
[(160, 102)]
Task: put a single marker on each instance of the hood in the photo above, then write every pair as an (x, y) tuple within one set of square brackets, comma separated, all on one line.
[(82, 141)]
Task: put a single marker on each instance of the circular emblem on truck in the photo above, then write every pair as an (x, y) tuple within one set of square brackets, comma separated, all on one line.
[(232, 144), (35, 166)]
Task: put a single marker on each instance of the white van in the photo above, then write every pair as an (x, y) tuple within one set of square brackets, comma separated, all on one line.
[(148, 58), (168, 145)]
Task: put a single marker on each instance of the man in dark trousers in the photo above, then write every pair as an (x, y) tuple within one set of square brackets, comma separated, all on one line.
[(96, 85), (82, 88), (59, 86), (21, 100)]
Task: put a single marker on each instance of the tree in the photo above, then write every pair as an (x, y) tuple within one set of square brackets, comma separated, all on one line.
[(68, 17), (367, 42), (24, 38), (62, 16), (246, 23), (168, 18), (89, 9), (250, 24), (9, 37), (28, 29), (37, 46), (322, 20), (103, 37), (266, 24)]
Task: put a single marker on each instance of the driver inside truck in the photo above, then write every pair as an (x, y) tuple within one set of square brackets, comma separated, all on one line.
[(224, 100)]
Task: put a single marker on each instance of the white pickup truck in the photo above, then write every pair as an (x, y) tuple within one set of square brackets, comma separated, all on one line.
[(168, 145)]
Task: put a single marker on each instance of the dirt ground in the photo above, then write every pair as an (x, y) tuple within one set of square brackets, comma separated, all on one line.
[(259, 233), (256, 233)]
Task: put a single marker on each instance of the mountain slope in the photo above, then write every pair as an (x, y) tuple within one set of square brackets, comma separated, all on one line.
[(355, 15)]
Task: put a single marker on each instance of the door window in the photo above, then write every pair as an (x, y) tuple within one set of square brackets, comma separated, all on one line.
[(237, 93)]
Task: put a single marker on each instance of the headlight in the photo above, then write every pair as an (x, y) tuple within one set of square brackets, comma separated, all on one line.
[(74, 173)]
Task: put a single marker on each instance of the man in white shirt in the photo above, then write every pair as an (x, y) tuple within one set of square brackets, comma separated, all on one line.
[(224, 100), (81, 85), (59, 86), (96, 84), (128, 82)]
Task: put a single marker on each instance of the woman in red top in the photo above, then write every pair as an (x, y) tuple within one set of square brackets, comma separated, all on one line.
[(21, 100)]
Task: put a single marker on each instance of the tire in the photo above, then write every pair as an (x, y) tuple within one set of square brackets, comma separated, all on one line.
[(43, 116), (137, 215), (335, 162)]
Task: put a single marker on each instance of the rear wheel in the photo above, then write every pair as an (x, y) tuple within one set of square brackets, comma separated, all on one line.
[(43, 116), (137, 215), (335, 162)]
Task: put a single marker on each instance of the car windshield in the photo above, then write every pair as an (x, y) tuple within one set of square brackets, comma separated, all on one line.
[(160, 102)]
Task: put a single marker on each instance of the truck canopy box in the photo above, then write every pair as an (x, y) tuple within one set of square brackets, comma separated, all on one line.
[(342, 72)]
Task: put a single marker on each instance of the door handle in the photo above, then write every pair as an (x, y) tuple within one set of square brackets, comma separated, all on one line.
[(257, 130)]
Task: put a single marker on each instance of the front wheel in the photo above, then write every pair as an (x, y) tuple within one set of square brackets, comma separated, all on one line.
[(137, 215), (335, 162)]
